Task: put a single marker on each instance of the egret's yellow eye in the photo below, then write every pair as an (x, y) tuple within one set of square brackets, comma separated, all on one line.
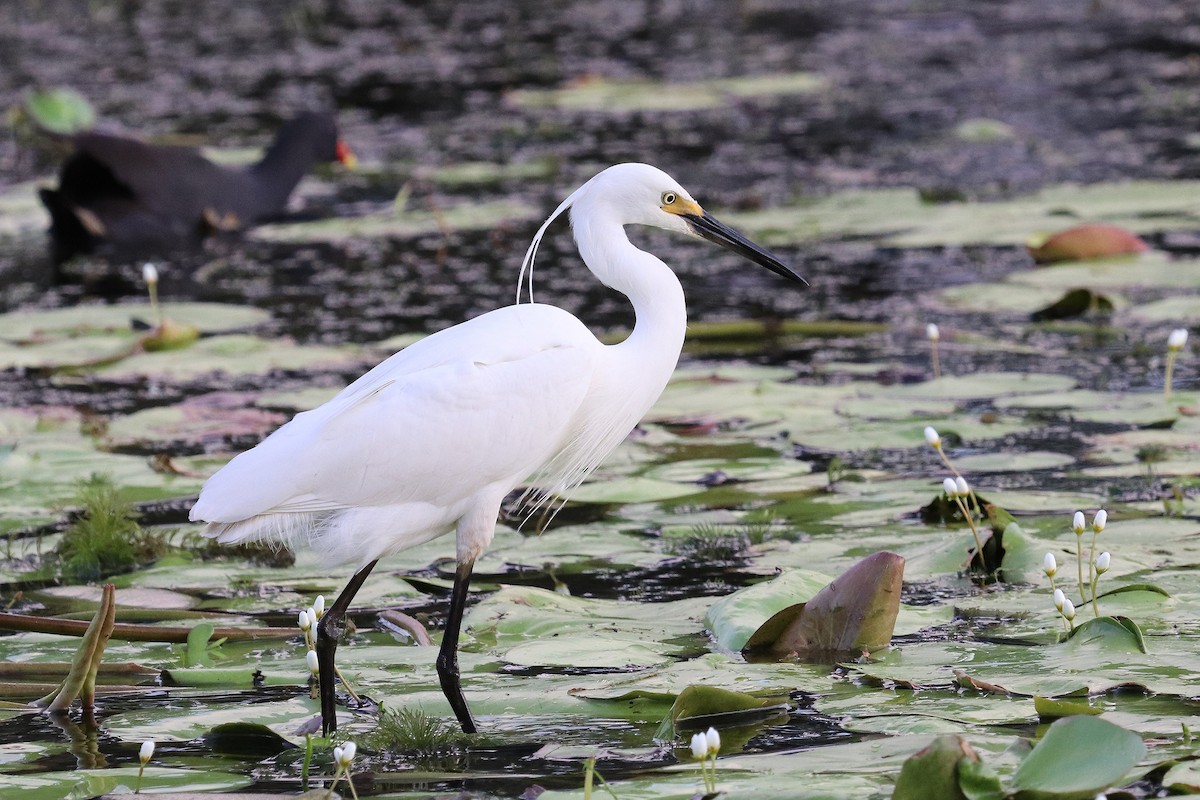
[(669, 198)]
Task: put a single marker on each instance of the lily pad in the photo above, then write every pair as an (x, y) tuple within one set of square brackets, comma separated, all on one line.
[(600, 94), (1078, 757), (407, 225)]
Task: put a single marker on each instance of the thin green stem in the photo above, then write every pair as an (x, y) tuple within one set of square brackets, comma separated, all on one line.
[(946, 461), (937, 367), (308, 754), (154, 307), (1079, 562), (138, 789), (970, 518), (589, 768), (1167, 378)]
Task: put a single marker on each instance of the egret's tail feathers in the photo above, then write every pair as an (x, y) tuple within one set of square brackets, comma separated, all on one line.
[(277, 530)]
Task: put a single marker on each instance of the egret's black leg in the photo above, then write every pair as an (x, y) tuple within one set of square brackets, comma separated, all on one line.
[(447, 660), (329, 630)]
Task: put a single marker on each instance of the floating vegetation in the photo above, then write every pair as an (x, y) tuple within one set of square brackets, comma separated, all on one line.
[(105, 538), (416, 734)]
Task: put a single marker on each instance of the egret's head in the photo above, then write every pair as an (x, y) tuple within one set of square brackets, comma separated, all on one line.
[(639, 194), (642, 194)]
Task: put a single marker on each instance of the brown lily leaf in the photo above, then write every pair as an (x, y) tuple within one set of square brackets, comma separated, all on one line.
[(855, 612), (1093, 240)]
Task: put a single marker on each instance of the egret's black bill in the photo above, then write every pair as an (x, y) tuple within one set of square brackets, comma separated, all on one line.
[(706, 226)]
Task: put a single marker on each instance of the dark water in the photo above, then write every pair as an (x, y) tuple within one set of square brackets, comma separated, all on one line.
[(1095, 90)]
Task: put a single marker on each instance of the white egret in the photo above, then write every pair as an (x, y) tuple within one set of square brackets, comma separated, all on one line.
[(433, 439)]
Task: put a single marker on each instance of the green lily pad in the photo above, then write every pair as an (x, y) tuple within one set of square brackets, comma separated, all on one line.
[(614, 96), (232, 355), (60, 110), (1078, 757), (1177, 310), (464, 217), (92, 320), (734, 619)]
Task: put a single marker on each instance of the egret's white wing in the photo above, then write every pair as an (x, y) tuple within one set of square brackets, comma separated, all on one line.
[(479, 404)]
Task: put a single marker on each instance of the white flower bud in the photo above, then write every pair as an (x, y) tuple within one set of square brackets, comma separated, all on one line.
[(147, 752), (345, 754), (149, 273), (1060, 599), (950, 487), (313, 664), (302, 621), (1049, 565), (699, 746), (1068, 609), (960, 483), (1078, 524), (1100, 520), (337, 756), (318, 606), (931, 330), (931, 436), (1102, 562), (1177, 339), (714, 740)]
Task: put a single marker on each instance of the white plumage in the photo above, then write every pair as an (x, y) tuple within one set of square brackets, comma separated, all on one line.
[(432, 439)]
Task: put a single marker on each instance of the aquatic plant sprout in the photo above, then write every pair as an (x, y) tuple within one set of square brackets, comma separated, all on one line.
[(958, 490), (714, 741), (1099, 567), (1050, 567), (1098, 522), (934, 335), (705, 746), (935, 441), (1079, 525), (144, 756), (932, 437), (343, 757), (1068, 611), (150, 276), (1175, 343)]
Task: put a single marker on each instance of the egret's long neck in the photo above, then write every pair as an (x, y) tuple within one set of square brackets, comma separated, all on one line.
[(650, 285)]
